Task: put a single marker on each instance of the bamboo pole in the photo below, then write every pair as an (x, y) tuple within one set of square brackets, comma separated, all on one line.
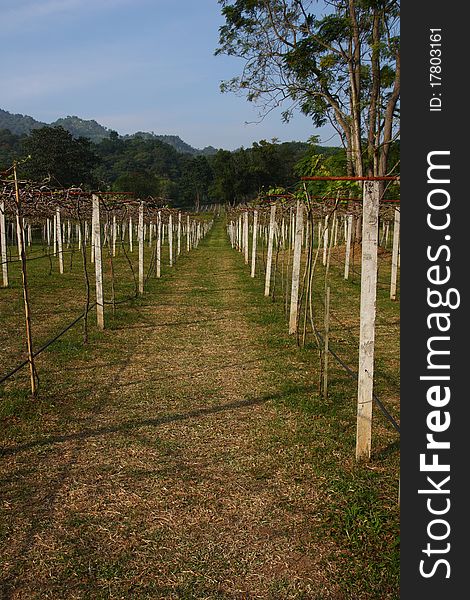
[(96, 240), (24, 275), (188, 234), (370, 217)]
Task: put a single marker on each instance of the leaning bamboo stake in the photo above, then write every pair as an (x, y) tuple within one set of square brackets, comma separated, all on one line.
[(24, 275), (370, 217), (140, 237), (253, 250), (396, 241), (272, 218), (294, 298), (96, 238), (3, 244)]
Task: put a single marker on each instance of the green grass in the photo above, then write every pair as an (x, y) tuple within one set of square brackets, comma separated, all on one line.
[(120, 468)]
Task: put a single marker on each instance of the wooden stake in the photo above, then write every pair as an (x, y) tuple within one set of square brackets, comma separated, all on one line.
[(188, 234), (294, 298), (370, 219), (272, 218), (96, 240)]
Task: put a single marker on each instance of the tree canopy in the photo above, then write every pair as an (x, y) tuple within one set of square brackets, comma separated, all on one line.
[(342, 67), (148, 167), (57, 156)]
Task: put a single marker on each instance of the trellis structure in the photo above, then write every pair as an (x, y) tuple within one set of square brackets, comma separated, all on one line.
[(68, 220), (325, 222)]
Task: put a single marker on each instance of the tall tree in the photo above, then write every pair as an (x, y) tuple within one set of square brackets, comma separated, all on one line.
[(342, 67)]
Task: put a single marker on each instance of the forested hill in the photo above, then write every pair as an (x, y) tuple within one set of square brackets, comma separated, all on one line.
[(23, 125), (148, 166)]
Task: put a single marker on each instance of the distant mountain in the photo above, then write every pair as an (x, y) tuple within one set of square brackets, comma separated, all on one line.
[(82, 128), (18, 124), (23, 124), (173, 140)]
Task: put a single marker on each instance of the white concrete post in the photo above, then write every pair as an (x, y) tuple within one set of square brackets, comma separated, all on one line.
[(96, 241), (3, 244), (170, 238), (245, 237), (396, 243), (294, 298), (370, 219), (59, 241), (272, 219), (253, 250), (347, 258), (159, 244), (140, 236)]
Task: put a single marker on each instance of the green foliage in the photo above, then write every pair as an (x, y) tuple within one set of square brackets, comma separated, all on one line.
[(10, 148), (336, 65), (82, 128), (59, 158), (146, 166), (142, 184)]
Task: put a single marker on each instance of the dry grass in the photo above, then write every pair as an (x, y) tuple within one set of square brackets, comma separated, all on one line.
[(171, 458)]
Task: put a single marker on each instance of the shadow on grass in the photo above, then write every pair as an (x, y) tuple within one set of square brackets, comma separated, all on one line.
[(156, 422)]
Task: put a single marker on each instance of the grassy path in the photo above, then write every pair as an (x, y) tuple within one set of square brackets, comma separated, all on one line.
[(175, 457)]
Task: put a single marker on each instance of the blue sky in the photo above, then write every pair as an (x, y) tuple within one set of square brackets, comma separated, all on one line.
[(132, 65)]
